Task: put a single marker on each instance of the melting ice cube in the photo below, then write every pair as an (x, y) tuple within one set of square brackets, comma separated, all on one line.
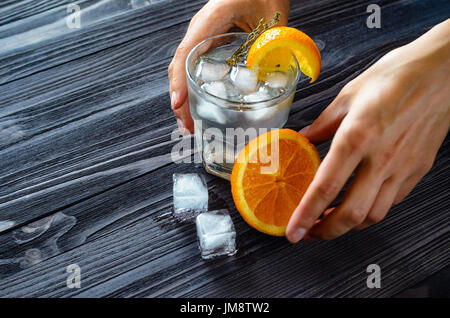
[(209, 70), (190, 195), (221, 53), (244, 78), (211, 112), (277, 80), (261, 114), (218, 89), (259, 96), (216, 234), (233, 93)]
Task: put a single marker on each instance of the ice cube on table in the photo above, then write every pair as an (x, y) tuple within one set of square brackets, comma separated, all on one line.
[(216, 234), (277, 80), (190, 196), (244, 78), (209, 70)]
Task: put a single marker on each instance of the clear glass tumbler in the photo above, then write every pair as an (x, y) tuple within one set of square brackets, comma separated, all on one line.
[(224, 125)]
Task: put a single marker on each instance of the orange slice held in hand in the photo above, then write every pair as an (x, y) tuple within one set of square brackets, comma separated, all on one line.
[(273, 50), (265, 192)]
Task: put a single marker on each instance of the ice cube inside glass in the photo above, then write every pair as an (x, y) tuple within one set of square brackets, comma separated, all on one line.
[(216, 234), (190, 196), (247, 99)]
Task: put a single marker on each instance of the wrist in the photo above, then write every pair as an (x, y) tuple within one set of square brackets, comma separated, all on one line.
[(431, 51)]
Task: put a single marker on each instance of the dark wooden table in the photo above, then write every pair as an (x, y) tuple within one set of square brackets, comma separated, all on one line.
[(86, 171)]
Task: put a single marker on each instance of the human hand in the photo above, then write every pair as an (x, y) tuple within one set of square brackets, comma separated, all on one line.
[(388, 124), (215, 18)]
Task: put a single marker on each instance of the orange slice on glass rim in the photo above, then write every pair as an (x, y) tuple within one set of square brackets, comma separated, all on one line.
[(273, 50)]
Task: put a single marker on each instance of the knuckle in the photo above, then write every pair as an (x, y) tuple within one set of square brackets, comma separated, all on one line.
[(389, 57), (355, 216), (182, 49), (427, 165), (199, 14), (358, 138), (347, 90), (384, 161), (210, 11), (387, 156), (196, 17), (328, 190), (374, 218), (341, 147), (170, 69)]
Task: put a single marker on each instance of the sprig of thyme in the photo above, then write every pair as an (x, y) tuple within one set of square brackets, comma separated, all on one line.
[(242, 51)]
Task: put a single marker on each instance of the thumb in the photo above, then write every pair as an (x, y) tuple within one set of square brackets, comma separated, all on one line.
[(325, 126)]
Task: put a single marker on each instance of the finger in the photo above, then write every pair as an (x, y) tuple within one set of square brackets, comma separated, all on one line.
[(382, 204), (307, 237), (358, 200), (205, 23), (407, 186), (325, 126), (284, 8), (331, 176), (177, 78), (184, 119)]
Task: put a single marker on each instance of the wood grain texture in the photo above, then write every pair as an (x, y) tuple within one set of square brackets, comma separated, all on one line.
[(86, 171)]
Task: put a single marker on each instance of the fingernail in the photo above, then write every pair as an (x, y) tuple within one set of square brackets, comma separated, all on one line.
[(173, 100), (298, 234), (181, 128), (304, 130)]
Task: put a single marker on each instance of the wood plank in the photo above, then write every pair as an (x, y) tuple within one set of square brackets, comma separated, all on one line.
[(90, 165), (118, 89), (152, 256), (11, 11), (23, 59)]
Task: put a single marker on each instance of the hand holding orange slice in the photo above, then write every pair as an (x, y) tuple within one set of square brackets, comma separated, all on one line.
[(273, 50), (266, 200)]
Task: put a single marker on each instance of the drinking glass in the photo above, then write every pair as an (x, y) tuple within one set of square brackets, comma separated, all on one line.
[(224, 125)]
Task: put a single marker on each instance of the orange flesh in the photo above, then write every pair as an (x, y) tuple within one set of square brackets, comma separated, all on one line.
[(274, 48), (280, 193)]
